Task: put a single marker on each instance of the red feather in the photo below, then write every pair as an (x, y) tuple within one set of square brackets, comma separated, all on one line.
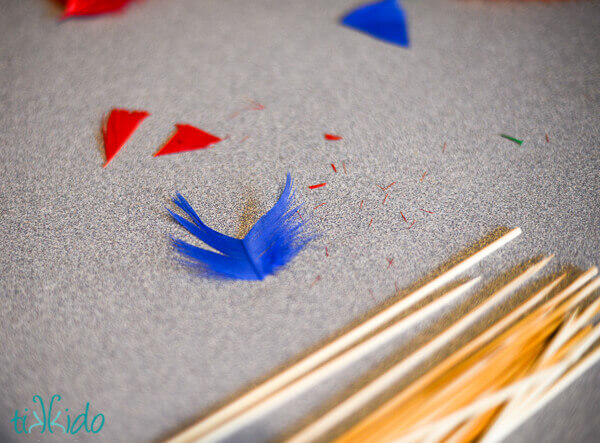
[(187, 138), (120, 125), (92, 7)]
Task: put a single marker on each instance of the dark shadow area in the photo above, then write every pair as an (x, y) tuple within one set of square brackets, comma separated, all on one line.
[(250, 213)]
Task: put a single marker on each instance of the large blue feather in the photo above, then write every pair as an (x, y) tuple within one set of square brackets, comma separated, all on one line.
[(273, 241)]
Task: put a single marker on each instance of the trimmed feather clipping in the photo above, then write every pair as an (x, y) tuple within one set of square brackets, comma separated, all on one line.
[(92, 7), (275, 239)]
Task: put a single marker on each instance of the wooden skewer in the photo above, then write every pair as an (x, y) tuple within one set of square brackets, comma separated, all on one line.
[(519, 400), (337, 364), (213, 422), (524, 399), (472, 429), (509, 361), (575, 322), (485, 420), (560, 386), (481, 405), (413, 396), (497, 433), (592, 311), (489, 401), (520, 357), (584, 293), (571, 343), (360, 431), (388, 379), (504, 366), (435, 437), (568, 330), (372, 423), (513, 367)]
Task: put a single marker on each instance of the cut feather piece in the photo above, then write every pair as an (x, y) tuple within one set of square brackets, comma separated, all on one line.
[(512, 139), (271, 243), (187, 138), (92, 7), (383, 20), (119, 126)]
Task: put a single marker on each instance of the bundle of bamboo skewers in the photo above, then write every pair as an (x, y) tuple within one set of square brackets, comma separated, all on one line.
[(492, 384), (482, 390)]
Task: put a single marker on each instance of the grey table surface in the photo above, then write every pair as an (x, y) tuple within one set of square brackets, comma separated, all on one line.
[(94, 306)]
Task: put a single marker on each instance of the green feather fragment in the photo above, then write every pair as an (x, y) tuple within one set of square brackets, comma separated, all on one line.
[(512, 139)]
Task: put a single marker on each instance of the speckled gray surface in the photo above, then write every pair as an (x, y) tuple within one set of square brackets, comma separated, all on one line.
[(94, 307)]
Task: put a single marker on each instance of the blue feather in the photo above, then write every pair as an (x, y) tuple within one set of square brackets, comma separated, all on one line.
[(271, 243), (384, 20)]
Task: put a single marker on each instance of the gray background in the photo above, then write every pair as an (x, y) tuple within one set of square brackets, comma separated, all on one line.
[(94, 306)]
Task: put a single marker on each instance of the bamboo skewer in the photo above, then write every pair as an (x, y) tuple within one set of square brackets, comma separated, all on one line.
[(337, 364), (524, 400), (483, 404), (538, 390), (564, 334), (486, 402), (488, 387), (571, 333), (575, 337), (360, 431), (517, 363), (470, 430), (217, 425), (430, 405), (411, 391), (569, 329), (538, 315), (498, 370), (560, 386), (388, 379), (562, 366), (584, 293), (498, 433)]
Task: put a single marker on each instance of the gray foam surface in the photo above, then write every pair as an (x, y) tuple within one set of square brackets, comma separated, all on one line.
[(94, 306)]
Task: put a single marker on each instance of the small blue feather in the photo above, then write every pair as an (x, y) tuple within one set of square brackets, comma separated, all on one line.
[(384, 20), (271, 243)]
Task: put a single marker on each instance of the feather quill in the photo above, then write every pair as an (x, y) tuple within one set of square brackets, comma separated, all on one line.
[(274, 240)]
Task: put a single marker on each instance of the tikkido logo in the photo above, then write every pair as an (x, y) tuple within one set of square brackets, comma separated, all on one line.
[(46, 422)]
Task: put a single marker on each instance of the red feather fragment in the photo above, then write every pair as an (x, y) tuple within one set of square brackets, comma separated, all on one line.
[(119, 126), (92, 7), (187, 138), (316, 280), (332, 137)]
